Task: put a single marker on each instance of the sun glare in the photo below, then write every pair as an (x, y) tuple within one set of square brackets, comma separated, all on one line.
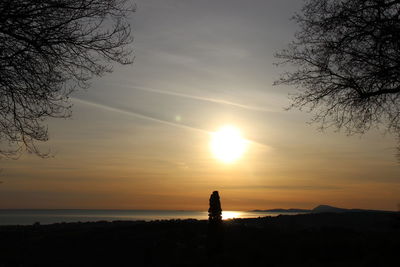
[(230, 215), (227, 144)]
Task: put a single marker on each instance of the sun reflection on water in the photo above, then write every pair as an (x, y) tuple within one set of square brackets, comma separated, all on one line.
[(231, 214)]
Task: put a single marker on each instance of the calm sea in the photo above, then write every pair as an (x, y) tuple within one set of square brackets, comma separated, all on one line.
[(26, 217)]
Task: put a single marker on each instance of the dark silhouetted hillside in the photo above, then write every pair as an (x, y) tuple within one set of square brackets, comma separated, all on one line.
[(326, 208), (318, 209), (321, 239)]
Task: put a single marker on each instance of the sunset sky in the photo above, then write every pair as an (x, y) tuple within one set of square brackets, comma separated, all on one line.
[(139, 138)]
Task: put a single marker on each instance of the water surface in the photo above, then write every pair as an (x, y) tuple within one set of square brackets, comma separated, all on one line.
[(26, 217)]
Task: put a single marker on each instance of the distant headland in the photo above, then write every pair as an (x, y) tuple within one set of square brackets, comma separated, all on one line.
[(319, 209)]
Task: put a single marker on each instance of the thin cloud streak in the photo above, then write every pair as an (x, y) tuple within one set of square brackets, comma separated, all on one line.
[(206, 99), (286, 187), (138, 115), (146, 117)]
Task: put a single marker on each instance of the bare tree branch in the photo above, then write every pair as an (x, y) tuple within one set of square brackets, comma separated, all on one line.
[(347, 63), (48, 49)]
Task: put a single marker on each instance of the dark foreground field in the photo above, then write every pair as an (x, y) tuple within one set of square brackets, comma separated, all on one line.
[(343, 239)]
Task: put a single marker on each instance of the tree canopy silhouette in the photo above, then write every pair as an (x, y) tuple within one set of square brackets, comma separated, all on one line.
[(215, 231), (49, 48), (347, 63), (215, 211)]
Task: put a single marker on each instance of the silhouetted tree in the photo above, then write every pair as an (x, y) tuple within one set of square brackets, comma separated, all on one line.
[(215, 235), (215, 211), (347, 59), (47, 49)]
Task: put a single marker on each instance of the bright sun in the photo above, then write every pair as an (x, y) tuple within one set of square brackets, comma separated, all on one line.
[(227, 144)]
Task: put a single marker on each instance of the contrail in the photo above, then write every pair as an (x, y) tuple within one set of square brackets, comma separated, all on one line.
[(138, 115), (146, 117), (201, 98)]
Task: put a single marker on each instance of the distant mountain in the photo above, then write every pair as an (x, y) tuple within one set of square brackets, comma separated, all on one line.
[(284, 210), (326, 208)]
